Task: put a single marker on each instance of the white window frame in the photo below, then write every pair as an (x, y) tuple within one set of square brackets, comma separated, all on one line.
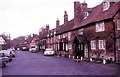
[(106, 5), (86, 14), (63, 46), (118, 24), (66, 47), (118, 43), (100, 26), (93, 45), (102, 44), (69, 35), (81, 46), (64, 36), (81, 31), (59, 36)]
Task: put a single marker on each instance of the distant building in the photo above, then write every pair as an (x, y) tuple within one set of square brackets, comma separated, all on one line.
[(2, 43), (34, 43), (43, 38)]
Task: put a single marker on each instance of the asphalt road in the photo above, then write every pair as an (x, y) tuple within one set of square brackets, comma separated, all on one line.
[(26, 63)]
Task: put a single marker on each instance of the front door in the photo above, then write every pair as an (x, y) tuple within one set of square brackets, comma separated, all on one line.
[(81, 49), (78, 48)]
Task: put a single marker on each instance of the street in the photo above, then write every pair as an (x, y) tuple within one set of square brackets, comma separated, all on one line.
[(27, 63)]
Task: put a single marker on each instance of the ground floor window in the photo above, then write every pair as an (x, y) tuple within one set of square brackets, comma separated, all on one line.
[(118, 24), (119, 44), (93, 45), (66, 47), (102, 44), (58, 47)]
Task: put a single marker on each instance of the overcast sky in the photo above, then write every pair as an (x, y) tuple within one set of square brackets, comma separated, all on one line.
[(24, 17)]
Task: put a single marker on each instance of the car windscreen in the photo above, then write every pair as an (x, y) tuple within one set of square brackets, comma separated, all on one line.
[(48, 49)]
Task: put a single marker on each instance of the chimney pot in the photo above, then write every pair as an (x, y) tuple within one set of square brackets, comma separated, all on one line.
[(65, 17)]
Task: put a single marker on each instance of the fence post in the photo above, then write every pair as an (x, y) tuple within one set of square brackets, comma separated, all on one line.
[(104, 61), (81, 58), (91, 59)]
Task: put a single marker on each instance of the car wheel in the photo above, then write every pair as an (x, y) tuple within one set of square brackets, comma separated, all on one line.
[(13, 56), (4, 65)]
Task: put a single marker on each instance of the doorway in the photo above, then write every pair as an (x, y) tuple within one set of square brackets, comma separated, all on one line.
[(78, 47)]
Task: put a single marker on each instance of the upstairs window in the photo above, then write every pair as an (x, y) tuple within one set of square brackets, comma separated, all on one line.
[(86, 14), (81, 32), (64, 36), (100, 27), (106, 5), (59, 36), (93, 45), (118, 24), (102, 44), (69, 35)]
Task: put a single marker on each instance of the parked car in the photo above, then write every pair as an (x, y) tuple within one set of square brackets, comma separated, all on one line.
[(7, 53), (33, 49), (17, 49), (24, 48), (12, 52), (3, 60), (49, 51)]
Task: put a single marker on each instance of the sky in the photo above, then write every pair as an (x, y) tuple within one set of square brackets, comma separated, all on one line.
[(24, 17)]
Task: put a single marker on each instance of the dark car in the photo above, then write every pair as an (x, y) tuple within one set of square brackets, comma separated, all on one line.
[(24, 48)]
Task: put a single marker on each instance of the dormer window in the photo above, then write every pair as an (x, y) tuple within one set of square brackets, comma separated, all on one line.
[(106, 5), (86, 14)]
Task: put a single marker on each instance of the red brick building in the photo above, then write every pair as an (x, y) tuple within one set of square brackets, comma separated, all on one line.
[(93, 33), (43, 38)]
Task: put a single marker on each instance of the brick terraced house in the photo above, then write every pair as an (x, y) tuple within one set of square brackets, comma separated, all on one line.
[(43, 38), (92, 33)]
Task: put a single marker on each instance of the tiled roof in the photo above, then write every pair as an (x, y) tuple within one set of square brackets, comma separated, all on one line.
[(66, 27), (43, 35), (98, 14)]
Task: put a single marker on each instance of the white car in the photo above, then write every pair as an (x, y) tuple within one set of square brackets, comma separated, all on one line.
[(33, 49), (12, 52), (7, 54), (49, 51)]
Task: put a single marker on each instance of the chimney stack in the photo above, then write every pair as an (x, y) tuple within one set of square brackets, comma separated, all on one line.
[(84, 7), (57, 23), (47, 27), (77, 12), (65, 17)]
